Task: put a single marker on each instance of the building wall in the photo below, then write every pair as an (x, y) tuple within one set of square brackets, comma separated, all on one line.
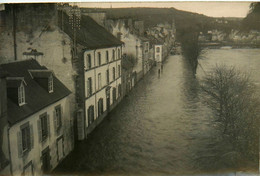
[(56, 48), (4, 148), (93, 73), (34, 155)]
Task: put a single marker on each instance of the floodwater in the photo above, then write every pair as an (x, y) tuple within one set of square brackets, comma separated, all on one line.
[(162, 127)]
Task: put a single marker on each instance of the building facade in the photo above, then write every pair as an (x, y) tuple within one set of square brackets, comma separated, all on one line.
[(103, 87), (40, 133)]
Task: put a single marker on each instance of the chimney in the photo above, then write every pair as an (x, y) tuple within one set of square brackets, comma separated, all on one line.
[(4, 151)]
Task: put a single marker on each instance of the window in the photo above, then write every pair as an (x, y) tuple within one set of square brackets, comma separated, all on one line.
[(114, 73), (43, 127), (107, 76), (89, 87), (99, 81), (119, 54), (119, 90), (113, 55), (119, 70), (25, 139), (100, 106), (90, 114), (88, 61), (50, 84), (21, 95), (114, 95), (99, 58), (57, 118), (158, 49), (107, 56)]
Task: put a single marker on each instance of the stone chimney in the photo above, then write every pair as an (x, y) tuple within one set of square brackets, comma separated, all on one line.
[(4, 150)]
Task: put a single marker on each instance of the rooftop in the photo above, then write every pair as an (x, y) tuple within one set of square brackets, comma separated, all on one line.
[(36, 97), (91, 34)]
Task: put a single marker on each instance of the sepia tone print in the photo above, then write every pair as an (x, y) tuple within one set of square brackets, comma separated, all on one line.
[(123, 88)]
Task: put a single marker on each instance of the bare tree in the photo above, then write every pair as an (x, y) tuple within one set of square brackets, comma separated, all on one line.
[(233, 98)]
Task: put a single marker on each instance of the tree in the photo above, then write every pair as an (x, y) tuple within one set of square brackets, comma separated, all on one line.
[(232, 97), (191, 49)]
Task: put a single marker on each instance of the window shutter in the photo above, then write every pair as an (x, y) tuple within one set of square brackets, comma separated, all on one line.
[(31, 137), (48, 125), (88, 88), (19, 143), (39, 130), (55, 121), (61, 115)]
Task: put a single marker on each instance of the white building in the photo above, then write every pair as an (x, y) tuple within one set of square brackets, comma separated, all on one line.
[(102, 56), (38, 114)]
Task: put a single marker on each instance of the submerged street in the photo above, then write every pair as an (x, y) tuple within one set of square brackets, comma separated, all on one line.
[(162, 126)]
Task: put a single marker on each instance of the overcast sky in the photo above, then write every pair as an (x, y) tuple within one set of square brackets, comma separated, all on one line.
[(214, 9)]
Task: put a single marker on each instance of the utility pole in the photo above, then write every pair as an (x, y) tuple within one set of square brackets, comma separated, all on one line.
[(14, 31)]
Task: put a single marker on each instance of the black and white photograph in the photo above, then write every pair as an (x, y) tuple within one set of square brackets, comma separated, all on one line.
[(142, 88)]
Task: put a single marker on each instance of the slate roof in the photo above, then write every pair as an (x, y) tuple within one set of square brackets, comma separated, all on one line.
[(91, 34), (36, 97)]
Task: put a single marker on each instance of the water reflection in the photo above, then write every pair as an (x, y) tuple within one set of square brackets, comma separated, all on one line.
[(162, 127)]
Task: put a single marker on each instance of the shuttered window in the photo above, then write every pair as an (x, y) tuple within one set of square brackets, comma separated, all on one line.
[(119, 70), (21, 95), (50, 84), (113, 56), (43, 127), (107, 56), (57, 117), (100, 106), (114, 73), (90, 114), (119, 90), (114, 95), (107, 76), (25, 139), (99, 81), (119, 53), (99, 58), (89, 87), (88, 60)]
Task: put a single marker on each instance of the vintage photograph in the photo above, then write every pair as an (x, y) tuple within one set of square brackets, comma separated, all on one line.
[(130, 88)]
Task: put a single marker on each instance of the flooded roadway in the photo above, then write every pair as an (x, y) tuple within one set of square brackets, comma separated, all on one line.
[(161, 127)]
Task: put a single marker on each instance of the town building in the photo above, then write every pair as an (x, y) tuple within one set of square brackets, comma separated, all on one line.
[(39, 133), (100, 54)]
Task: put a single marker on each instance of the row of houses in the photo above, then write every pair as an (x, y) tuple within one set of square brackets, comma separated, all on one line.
[(59, 79)]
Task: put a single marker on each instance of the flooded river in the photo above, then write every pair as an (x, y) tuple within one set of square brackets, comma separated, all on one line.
[(161, 127)]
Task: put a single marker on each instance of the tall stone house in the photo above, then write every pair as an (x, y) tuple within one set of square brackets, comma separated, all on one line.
[(101, 55), (37, 116)]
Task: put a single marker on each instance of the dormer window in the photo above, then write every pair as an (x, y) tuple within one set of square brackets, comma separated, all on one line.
[(21, 95), (50, 84), (44, 78)]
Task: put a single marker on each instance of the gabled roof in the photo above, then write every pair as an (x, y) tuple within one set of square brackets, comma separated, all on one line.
[(36, 97), (91, 34), (14, 82), (40, 73)]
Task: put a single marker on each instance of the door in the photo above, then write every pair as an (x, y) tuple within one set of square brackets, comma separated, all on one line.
[(60, 148)]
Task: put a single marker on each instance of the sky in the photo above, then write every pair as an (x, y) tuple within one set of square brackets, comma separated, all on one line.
[(213, 9)]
